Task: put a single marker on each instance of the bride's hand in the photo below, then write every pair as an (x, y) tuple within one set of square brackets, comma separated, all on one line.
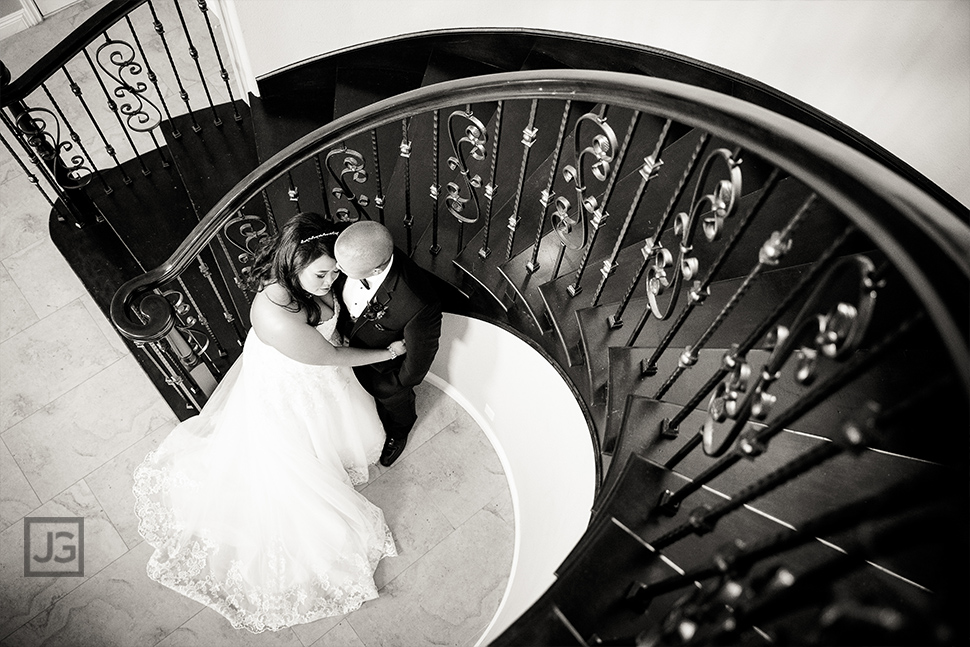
[(398, 348)]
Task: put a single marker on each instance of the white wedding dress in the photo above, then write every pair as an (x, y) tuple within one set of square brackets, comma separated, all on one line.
[(250, 505)]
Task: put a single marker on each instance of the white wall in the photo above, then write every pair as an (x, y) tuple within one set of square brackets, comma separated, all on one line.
[(897, 71), (541, 436)]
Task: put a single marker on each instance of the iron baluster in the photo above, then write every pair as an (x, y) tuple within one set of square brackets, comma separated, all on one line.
[(833, 334), (33, 179), (602, 148), (253, 230), (435, 188), (406, 154), (162, 365), (616, 319), (491, 187), (222, 68), (293, 193), (182, 311), (75, 137), (154, 80), (754, 441), (732, 357), (379, 189), (649, 170), (548, 194), (160, 30), (113, 107), (270, 216), (49, 174), (234, 320), (177, 375), (600, 214), (194, 54), (109, 149), (322, 180), (353, 166), (528, 139), (559, 257), (144, 116), (701, 290)]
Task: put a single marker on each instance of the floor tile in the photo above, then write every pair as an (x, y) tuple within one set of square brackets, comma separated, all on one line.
[(45, 279), (112, 483), (49, 359), (16, 314), (209, 629), (462, 472), (81, 430), (501, 506), (24, 215), (343, 635), (17, 498), (446, 598), (119, 607), (311, 632), (22, 598), (416, 523), (104, 324)]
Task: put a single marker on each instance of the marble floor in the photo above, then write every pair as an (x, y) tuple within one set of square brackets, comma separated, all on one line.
[(77, 414)]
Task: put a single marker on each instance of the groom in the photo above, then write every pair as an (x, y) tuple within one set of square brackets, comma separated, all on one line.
[(387, 298)]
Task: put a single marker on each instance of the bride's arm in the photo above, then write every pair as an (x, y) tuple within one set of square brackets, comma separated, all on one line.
[(290, 334)]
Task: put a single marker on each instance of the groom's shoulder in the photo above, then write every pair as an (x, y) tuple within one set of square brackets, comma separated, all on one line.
[(419, 281)]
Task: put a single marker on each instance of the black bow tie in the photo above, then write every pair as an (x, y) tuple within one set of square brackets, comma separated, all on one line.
[(365, 284)]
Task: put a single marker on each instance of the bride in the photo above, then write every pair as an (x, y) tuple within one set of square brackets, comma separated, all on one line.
[(250, 505)]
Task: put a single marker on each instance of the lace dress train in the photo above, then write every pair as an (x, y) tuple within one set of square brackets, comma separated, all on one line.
[(250, 505)]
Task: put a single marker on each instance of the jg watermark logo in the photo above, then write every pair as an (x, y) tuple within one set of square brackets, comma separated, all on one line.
[(53, 547)]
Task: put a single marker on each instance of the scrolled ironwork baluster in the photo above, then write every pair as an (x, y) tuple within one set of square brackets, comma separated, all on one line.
[(353, 166), (435, 189), (600, 213), (160, 30), (183, 313), (113, 107), (548, 195), (648, 170), (602, 148), (32, 124), (722, 202), (701, 290), (143, 116), (153, 78), (732, 358), (54, 174), (33, 179), (616, 319), (203, 7), (834, 334), (76, 138), (379, 189), (252, 230), (755, 441), (405, 149), (490, 188), (472, 144), (528, 139), (194, 54), (108, 148), (153, 350)]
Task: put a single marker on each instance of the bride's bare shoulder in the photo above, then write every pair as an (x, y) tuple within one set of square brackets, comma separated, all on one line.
[(272, 312)]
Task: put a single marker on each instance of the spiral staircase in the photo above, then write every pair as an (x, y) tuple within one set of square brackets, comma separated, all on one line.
[(763, 315)]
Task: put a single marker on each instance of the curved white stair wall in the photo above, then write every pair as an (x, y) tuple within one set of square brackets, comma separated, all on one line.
[(539, 433)]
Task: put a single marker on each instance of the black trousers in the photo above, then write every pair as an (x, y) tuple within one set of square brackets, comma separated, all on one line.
[(398, 413)]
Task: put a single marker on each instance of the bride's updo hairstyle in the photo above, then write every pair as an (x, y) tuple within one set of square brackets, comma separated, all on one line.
[(303, 239)]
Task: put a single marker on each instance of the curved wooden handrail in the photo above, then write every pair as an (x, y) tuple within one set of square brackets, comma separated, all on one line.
[(624, 56), (928, 243), (64, 51)]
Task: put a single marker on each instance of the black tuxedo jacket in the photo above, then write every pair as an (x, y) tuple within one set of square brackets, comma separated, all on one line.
[(406, 306)]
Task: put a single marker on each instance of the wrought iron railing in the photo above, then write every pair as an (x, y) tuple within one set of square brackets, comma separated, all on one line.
[(786, 291)]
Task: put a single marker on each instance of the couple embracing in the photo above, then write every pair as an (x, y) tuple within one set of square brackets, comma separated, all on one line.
[(251, 505)]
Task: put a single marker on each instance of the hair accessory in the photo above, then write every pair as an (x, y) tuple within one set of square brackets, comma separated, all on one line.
[(326, 233)]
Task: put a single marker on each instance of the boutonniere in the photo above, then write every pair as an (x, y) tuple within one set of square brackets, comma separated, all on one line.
[(375, 311)]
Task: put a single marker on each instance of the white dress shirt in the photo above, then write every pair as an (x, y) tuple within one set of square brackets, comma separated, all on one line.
[(356, 296)]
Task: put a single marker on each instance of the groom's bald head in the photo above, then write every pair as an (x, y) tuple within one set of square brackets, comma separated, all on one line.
[(363, 249)]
